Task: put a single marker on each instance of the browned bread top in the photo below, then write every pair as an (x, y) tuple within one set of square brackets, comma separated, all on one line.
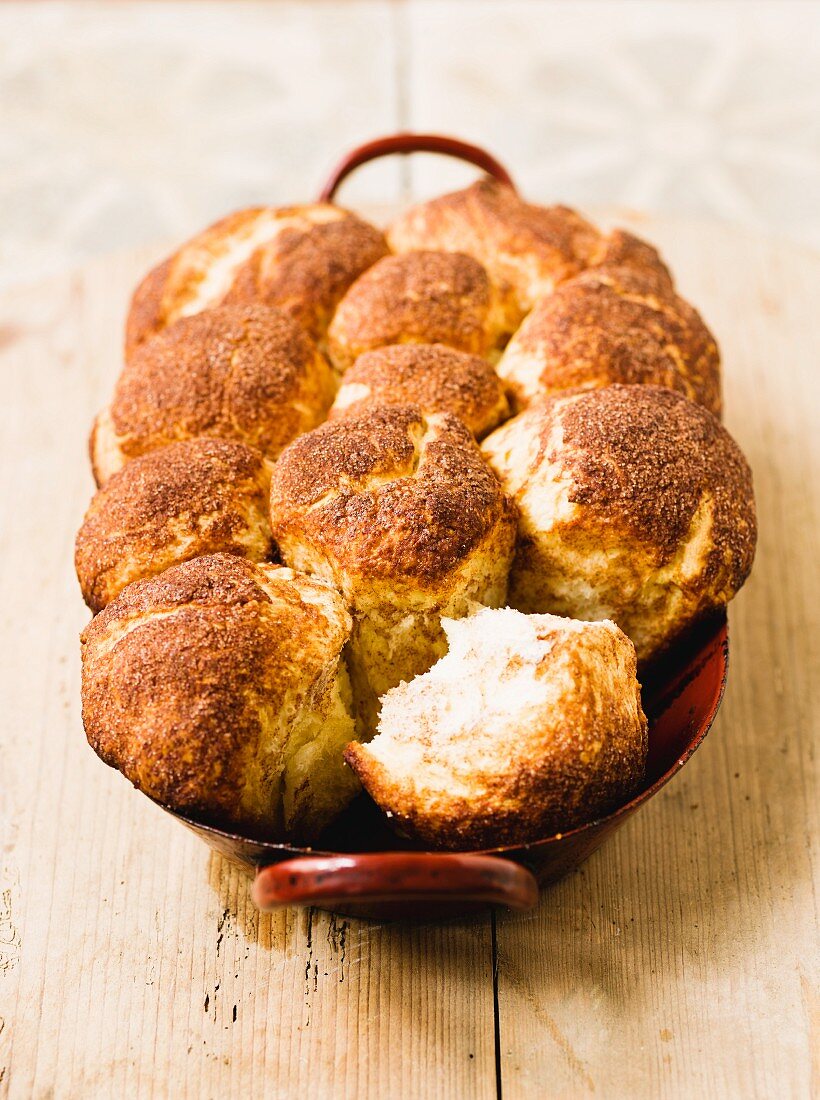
[(516, 241), (422, 298), (196, 684), (642, 458), (238, 372), (200, 496), (645, 457), (621, 249), (635, 505), (532, 248), (432, 376), (299, 258), (613, 324), (388, 493)]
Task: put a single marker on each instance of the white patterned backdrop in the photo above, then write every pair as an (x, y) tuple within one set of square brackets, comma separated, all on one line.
[(124, 123)]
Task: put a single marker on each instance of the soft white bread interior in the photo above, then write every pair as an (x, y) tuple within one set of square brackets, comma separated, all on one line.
[(530, 725), (218, 689)]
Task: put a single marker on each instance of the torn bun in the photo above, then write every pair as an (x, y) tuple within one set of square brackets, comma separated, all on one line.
[(529, 726)]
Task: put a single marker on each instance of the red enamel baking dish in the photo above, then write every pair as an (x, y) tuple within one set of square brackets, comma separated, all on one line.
[(361, 868)]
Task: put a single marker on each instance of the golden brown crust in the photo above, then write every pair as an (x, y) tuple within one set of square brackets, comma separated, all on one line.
[(516, 771), (401, 514), (147, 313), (237, 372), (388, 493), (432, 376), (613, 324), (307, 274), (622, 249), (201, 496), (655, 490), (184, 673), (532, 248), (300, 258), (422, 298), (636, 505)]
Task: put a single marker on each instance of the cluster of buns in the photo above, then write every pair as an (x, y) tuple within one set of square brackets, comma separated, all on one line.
[(405, 510)]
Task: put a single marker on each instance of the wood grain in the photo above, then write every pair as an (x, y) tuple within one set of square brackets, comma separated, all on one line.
[(680, 960)]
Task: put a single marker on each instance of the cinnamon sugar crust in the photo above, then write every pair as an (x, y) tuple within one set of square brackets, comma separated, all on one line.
[(528, 247), (247, 373), (201, 685), (635, 504), (307, 274), (432, 376), (200, 496), (300, 259), (422, 298), (389, 493), (613, 324)]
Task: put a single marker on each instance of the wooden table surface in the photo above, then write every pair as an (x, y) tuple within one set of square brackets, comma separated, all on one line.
[(680, 961)]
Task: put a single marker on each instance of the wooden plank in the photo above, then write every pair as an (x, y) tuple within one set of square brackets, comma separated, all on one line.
[(682, 959), (131, 960)]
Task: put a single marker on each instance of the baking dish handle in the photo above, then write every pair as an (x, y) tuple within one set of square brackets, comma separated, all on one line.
[(375, 878), (413, 143)]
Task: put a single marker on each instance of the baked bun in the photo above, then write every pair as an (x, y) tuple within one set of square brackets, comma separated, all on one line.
[(432, 376), (619, 249), (201, 496), (531, 725), (238, 372), (300, 259), (399, 511), (635, 505), (531, 248), (217, 689), (422, 298), (609, 325)]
